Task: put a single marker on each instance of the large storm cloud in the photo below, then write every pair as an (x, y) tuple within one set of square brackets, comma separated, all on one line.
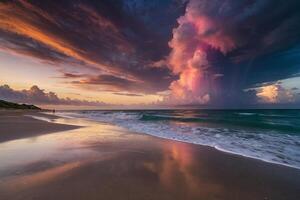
[(222, 47)]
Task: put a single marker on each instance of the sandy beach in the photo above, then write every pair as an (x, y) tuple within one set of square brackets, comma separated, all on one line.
[(59, 160), (16, 124)]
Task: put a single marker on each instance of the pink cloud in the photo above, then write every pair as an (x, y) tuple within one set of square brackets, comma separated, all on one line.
[(188, 57)]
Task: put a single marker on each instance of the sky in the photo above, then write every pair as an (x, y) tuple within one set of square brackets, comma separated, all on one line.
[(156, 53)]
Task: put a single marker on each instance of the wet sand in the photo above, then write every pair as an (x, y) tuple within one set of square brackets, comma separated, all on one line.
[(102, 161), (16, 124)]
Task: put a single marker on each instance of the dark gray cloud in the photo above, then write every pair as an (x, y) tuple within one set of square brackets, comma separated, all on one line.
[(114, 83), (128, 94)]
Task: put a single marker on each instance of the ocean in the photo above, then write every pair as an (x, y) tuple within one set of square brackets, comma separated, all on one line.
[(268, 135)]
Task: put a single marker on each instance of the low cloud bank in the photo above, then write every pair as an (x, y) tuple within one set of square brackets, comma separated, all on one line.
[(38, 96)]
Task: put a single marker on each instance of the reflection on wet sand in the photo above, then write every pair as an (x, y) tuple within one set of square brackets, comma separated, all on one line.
[(176, 171), (19, 183), (101, 161)]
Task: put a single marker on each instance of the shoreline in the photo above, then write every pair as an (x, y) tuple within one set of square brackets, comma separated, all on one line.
[(225, 151), (199, 144), (42, 116), (105, 159)]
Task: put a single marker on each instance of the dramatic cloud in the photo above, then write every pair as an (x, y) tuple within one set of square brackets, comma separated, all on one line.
[(98, 37), (35, 95), (196, 51), (217, 43), (24, 19)]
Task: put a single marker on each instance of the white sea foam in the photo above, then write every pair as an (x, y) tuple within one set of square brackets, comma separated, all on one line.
[(267, 145)]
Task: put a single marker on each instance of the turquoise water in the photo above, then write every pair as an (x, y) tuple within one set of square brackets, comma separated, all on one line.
[(269, 135), (281, 120)]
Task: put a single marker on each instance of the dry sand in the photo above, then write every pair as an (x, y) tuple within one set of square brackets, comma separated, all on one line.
[(102, 161)]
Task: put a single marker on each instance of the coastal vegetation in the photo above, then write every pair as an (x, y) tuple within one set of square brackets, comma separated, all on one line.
[(11, 105)]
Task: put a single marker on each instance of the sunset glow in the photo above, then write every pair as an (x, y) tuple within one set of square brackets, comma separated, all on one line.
[(195, 54)]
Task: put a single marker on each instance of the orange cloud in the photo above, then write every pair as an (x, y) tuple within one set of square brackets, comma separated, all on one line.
[(29, 23), (275, 94), (269, 93), (16, 20)]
